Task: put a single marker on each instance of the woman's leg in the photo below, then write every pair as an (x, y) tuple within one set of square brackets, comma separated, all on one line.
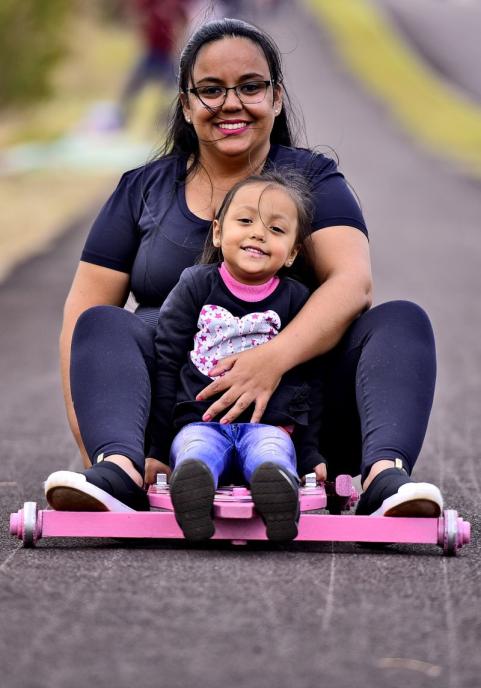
[(267, 458), (379, 386), (200, 453), (112, 365)]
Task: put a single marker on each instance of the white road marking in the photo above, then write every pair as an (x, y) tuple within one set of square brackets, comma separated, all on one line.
[(452, 653), (329, 608), (4, 565)]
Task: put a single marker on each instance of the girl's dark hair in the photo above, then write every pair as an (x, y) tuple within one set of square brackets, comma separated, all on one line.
[(292, 183), (181, 137)]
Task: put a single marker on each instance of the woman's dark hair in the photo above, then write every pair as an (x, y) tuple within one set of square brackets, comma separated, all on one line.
[(292, 183), (181, 137)]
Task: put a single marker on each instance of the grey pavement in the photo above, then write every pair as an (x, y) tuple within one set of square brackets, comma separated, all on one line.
[(78, 613)]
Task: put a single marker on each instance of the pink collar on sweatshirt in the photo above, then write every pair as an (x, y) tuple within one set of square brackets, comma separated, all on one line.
[(248, 292)]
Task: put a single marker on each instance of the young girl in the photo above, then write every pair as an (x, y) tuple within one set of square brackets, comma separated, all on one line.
[(219, 309)]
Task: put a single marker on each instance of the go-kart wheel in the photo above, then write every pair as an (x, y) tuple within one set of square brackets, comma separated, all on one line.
[(450, 539), (29, 535)]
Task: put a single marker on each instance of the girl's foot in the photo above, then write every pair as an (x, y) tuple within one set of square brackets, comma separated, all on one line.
[(192, 490), (393, 493), (104, 487), (275, 494)]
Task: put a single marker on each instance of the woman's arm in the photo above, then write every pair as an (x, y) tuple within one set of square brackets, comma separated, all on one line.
[(92, 285), (340, 256)]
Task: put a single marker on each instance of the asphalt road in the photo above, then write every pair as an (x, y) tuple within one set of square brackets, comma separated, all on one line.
[(77, 613)]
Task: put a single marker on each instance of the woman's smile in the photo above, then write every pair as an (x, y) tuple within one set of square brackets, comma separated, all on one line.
[(233, 127)]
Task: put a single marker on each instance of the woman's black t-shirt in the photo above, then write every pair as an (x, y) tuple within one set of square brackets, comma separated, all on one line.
[(146, 229)]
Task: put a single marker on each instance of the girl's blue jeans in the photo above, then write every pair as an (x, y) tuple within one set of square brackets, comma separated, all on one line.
[(233, 452)]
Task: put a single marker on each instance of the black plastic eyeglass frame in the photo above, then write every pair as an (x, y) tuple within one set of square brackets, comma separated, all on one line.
[(226, 89)]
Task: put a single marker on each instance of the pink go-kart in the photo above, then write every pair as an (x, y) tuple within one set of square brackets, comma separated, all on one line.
[(237, 521)]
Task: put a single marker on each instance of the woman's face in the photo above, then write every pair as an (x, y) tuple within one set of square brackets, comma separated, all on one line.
[(234, 128)]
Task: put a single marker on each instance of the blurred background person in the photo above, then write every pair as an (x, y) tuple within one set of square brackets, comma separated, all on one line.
[(161, 24)]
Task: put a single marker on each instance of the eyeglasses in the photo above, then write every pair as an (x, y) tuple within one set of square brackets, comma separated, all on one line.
[(215, 96)]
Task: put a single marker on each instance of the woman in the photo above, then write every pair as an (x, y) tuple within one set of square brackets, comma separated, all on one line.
[(231, 121)]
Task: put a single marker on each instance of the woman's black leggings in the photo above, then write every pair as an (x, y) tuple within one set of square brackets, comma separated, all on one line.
[(378, 386)]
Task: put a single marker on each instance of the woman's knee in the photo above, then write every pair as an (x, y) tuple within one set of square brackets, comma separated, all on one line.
[(402, 316), (100, 318), (112, 323)]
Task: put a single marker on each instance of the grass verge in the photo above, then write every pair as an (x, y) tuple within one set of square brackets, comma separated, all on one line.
[(36, 207), (430, 109)]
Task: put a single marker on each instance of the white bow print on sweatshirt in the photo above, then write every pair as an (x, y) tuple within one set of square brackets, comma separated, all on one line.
[(222, 334)]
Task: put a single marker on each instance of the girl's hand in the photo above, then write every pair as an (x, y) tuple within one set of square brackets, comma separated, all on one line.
[(152, 467), (245, 378)]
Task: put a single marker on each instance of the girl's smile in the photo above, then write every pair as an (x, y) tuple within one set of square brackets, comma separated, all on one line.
[(254, 251)]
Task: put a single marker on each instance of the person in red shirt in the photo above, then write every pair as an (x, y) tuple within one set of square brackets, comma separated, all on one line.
[(161, 24)]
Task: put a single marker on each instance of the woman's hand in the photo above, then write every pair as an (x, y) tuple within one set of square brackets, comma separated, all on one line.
[(245, 378), (152, 467), (321, 474)]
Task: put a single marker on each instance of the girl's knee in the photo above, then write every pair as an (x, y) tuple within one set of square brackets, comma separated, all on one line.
[(277, 446), (195, 440)]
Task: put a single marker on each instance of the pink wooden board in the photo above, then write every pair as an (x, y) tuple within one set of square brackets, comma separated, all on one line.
[(312, 527)]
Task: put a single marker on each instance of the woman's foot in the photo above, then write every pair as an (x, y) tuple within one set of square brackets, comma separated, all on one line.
[(104, 487), (192, 490), (275, 494), (393, 493)]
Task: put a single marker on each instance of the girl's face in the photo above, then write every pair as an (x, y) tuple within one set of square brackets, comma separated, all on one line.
[(258, 234), (234, 128)]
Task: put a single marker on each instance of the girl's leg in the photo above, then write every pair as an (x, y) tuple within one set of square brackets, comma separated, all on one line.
[(258, 443), (112, 365), (379, 386), (200, 453), (210, 443), (267, 457)]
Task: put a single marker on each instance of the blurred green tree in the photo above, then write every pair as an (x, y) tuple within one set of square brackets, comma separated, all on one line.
[(33, 39)]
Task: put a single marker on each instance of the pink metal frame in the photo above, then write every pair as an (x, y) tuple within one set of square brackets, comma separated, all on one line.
[(236, 520)]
